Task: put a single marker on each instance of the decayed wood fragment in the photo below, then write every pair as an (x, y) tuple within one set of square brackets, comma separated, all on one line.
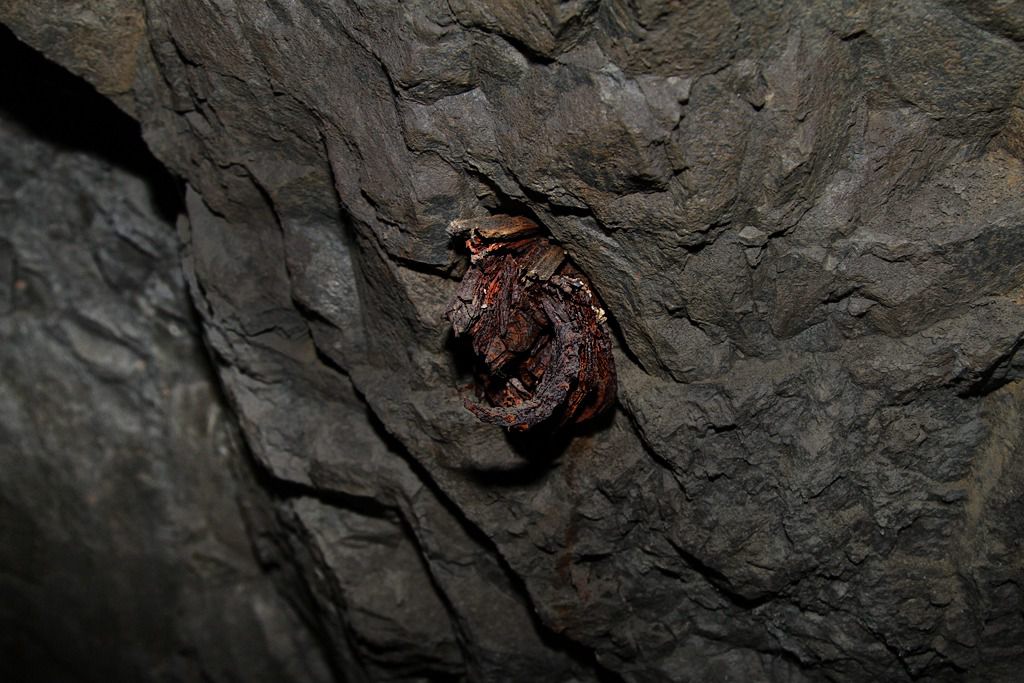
[(542, 348)]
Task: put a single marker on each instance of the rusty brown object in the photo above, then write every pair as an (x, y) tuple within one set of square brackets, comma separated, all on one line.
[(539, 335)]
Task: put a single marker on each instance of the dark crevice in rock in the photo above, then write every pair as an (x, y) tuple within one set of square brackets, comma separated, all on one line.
[(721, 582), (269, 532), (283, 489), (62, 109), (996, 376)]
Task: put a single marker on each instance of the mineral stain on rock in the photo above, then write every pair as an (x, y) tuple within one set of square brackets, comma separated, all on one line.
[(539, 337)]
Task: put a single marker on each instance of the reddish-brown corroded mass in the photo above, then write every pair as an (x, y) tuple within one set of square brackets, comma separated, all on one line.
[(539, 335)]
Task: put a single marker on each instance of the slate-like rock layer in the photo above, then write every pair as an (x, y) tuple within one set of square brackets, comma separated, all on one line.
[(124, 552), (806, 221)]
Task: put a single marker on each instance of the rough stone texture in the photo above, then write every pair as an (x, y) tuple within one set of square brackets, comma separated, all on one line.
[(124, 553), (806, 222)]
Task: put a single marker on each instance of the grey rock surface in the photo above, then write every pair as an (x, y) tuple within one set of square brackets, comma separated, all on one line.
[(806, 222), (124, 553)]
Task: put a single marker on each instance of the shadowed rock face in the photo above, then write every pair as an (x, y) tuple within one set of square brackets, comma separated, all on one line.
[(125, 554), (806, 223)]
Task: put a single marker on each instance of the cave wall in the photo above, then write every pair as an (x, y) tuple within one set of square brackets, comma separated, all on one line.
[(805, 222), (125, 553)]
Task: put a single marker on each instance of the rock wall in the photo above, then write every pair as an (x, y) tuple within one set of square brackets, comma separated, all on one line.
[(806, 223), (125, 554)]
